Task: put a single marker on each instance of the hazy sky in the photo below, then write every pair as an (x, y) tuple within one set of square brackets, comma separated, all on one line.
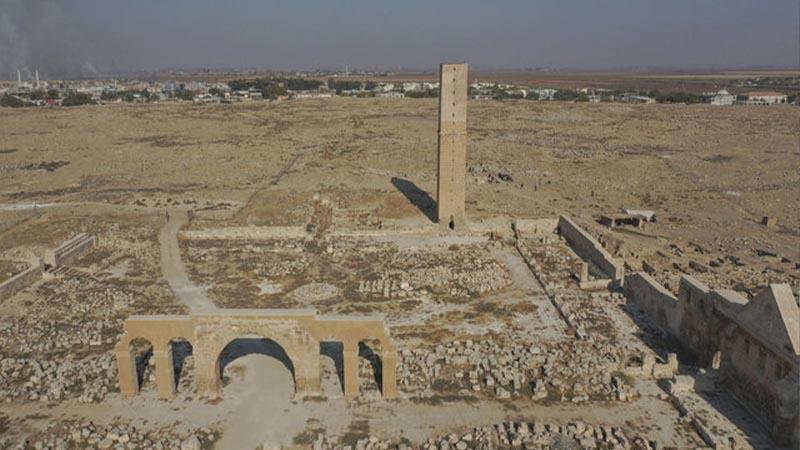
[(109, 35)]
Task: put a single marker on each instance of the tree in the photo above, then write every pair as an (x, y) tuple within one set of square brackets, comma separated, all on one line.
[(109, 96), (678, 97), (428, 93), (186, 95), (76, 99), (275, 86), (565, 95), (273, 91), (344, 85), (38, 94), (11, 101)]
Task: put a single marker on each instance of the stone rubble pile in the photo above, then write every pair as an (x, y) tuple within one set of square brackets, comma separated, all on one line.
[(72, 434), (485, 173), (387, 288), (553, 266), (727, 263), (285, 258), (509, 435), (68, 315), (585, 312), (62, 346), (9, 269), (368, 378), (89, 379), (468, 272), (564, 371)]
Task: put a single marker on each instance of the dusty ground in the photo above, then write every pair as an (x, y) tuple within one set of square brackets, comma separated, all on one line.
[(704, 169), (347, 179)]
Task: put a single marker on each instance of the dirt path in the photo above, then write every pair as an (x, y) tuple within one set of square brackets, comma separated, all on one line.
[(278, 176), (554, 326), (172, 267)]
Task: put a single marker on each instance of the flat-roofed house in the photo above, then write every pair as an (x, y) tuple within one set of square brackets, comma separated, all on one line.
[(765, 98)]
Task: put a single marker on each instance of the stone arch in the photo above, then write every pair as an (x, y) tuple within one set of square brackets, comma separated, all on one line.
[(300, 347), (298, 332), (382, 357), (253, 344), (210, 363), (371, 349), (180, 351), (332, 348), (139, 350)]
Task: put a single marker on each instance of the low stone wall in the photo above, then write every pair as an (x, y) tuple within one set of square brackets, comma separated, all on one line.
[(589, 248), (20, 281), (654, 370), (536, 227), (691, 288), (663, 308), (69, 249), (247, 233), (674, 393)]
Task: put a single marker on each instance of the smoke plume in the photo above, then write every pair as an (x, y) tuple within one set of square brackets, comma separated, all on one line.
[(44, 35)]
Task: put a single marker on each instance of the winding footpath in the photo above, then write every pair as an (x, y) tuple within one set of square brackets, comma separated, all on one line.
[(172, 267)]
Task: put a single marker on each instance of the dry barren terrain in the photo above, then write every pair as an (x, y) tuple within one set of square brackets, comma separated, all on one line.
[(329, 204)]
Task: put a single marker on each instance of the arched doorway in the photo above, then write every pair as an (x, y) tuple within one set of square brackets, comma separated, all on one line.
[(370, 368), (253, 365), (141, 351), (331, 368), (183, 365)]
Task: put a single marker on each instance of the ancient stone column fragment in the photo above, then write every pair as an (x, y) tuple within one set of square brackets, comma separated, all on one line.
[(350, 361), (165, 373), (126, 371)]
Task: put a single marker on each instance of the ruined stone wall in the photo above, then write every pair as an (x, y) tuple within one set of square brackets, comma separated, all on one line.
[(587, 247), (701, 326), (20, 281), (70, 249), (751, 375), (659, 304), (706, 325), (536, 227), (249, 233)]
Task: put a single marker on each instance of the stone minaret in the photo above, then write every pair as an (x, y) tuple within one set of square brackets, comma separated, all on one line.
[(452, 145)]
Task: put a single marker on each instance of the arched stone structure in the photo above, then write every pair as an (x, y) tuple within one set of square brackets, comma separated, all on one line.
[(299, 332)]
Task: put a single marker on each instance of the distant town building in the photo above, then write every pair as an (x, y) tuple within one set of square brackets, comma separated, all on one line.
[(633, 98), (412, 87), (385, 87), (545, 93), (722, 98), (313, 94), (390, 94), (766, 98)]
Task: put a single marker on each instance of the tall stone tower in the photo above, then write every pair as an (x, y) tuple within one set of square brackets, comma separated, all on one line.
[(452, 145)]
